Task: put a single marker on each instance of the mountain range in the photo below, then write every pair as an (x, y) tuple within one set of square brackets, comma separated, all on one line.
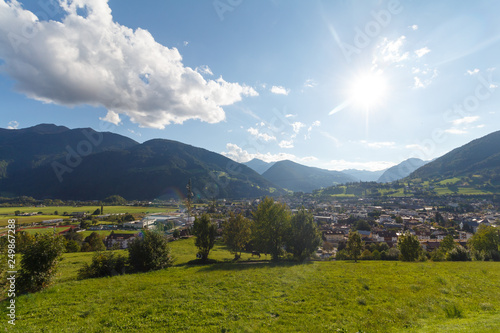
[(49, 161)]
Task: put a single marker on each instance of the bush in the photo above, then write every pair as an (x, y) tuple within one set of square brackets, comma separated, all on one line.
[(39, 262), (103, 264), (150, 252), (342, 255), (366, 255), (459, 253)]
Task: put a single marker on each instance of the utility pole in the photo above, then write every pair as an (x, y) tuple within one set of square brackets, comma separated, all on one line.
[(189, 197)]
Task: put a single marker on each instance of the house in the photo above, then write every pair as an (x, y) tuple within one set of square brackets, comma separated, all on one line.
[(78, 214), (384, 218), (119, 240), (389, 236), (333, 236)]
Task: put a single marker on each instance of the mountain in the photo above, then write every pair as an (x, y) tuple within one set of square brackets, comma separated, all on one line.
[(22, 150), (83, 164), (297, 177), (364, 175), (401, 170), (259, 165), (480, 157)]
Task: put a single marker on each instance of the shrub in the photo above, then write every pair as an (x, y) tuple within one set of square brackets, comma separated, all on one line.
[(103, 264), (39, 262), (149, 252), (459, 253), (366, 255)]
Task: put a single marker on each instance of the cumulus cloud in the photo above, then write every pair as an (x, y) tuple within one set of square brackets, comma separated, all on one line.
[(238, 154), (391, 51), (93, 60), (13, 125), (279, 90), (297, 126), (286, 144), (261, 136), (455, 131), (414, 27), (310, 83)]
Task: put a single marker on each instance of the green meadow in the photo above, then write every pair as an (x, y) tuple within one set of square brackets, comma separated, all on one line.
[(7, 213), (260, 296)]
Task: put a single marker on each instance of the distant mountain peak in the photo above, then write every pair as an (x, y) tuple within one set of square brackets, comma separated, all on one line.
[(45, 129)]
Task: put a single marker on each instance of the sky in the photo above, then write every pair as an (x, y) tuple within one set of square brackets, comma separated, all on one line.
[(331, 84)]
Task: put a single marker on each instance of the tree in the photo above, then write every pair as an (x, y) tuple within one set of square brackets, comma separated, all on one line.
[(304, 237), (271, 227), (149, 252), (115, 200), (95, 242), (39, 262), (97, 212), (354, 245), (409, 246), (176, 233), (236, 233), (362, 225), (447, 244), (486, 241), (205, 232)]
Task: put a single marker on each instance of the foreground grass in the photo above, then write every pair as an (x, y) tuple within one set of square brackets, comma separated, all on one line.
[(261, 297)]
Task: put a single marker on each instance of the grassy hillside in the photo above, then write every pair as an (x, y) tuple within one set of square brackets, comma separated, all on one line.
[(265, 297)]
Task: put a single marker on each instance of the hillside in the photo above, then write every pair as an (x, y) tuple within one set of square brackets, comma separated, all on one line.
[(259, 166), (297, 177), (401, 170), (118, 165), (335, 296), (480, 157)]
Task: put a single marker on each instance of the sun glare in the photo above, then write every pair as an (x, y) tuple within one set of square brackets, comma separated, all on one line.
[(368, 90)]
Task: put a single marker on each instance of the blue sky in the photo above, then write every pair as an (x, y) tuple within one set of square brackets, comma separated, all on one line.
[(332, 84)]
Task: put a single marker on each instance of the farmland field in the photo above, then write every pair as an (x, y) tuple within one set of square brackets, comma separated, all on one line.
[(370, 296), (7, 213)]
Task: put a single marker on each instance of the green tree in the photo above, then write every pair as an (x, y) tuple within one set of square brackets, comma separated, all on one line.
[(271, 227), (447, 244), (95, 242), (409, 246), (39, 263), (486, 241), (354, 245), (362, 225), (149, 252), (304, 237), (176, 233), (115, 200), (103, 264), (236, 233), (205, 232), (97, 212)]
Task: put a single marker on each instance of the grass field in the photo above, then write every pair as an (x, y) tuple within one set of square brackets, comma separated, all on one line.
[(369, 296), (7, 213)]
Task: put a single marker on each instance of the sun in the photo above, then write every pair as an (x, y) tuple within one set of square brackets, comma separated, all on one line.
[(368, 90)]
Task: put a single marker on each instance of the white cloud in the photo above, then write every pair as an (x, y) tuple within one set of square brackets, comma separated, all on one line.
[(423, 51), (112, 117), (204, 70), (390, 51), (425, 78), (378, 145), (369, 166), (13, 125), (414, 27), (96, 61), (238, 154), (286, 144), (262, 136), (290, 115), (465, 120), (310, 83), (473, 72), (297, 126), (279, 90), (316, 123), (455, 131)]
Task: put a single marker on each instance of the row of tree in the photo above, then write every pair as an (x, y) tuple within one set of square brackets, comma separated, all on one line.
[(272, 230)]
